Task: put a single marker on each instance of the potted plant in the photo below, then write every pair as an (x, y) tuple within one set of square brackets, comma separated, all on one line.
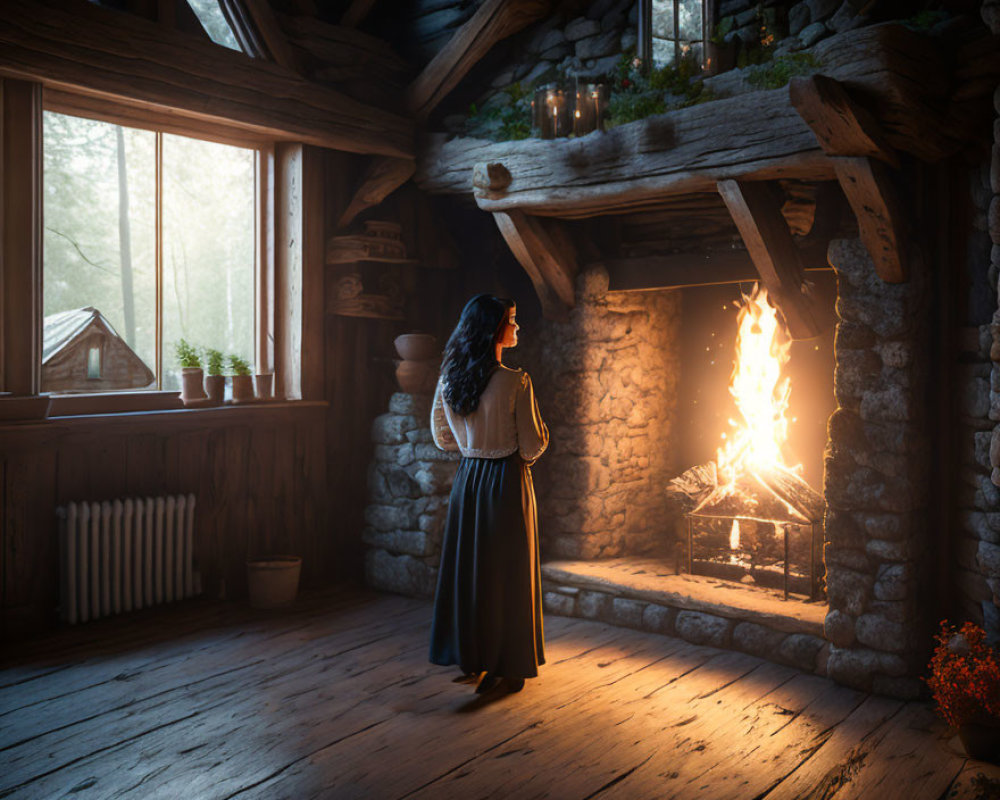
[(965, 682), (215, 381), (242, 380), (264, 384), (192, 389)]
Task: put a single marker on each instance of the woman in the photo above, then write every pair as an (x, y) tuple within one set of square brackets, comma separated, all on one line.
[(488, 606)]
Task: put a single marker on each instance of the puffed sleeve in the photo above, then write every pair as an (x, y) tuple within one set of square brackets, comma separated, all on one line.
[(440, 430), (532, 434)]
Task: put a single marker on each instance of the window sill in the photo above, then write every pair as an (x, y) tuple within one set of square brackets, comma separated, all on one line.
[(71, 405)]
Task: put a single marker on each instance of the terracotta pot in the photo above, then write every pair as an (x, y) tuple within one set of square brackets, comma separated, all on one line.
[(264, 384), (273, 581), (417, 377), (192, 386), (215, 387), (242, 388), (416, 346), (981, 738)]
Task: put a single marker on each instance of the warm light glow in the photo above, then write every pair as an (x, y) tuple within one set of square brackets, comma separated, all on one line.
[(734, 536), (761, 393)]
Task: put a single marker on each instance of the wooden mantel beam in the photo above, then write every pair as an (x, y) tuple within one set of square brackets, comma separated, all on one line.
[(494, 20), (546, 255), (757, 214), (77, 46)]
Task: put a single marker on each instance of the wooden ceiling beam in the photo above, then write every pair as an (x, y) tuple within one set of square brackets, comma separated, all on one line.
[(493, 21), (757, 214), (263, 19), (356, 12), (383, 176), (547, 255), (76, 46)]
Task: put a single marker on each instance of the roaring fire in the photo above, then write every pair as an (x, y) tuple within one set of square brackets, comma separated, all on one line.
[(761, 393)]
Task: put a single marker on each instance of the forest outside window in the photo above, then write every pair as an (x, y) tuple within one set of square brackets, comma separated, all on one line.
[(677, 31), (149, 238)]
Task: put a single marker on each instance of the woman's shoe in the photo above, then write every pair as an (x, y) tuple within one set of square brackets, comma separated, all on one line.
[(487, 682), (468, 677)]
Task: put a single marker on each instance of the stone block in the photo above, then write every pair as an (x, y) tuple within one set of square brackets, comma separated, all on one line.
[(392, 428), (595, 605), (414, 405), (855, 336), (420, 436), (889, 527), (849, 591), (387, 518), (435, 477), (402, 574), (430, 452), (990, 13), (900, 688), (757, 640), (628, 612), (658, 619), (581, 28), (975, 398), (800, 650), (857, 667), (892, 404), (879, 633), (845, 19), (988, 558), (399, 483), (903, 550), (799, 16), (820, 9), (993, 219), (852, 559), (700, 628), (892, 582), (838, 627), (414, 543), (559, 604), (401, 454), (812, 33)]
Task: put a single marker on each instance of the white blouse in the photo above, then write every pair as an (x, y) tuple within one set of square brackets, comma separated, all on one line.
[(506, 420)]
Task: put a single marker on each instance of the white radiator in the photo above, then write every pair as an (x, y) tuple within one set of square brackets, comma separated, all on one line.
[(122, 555)]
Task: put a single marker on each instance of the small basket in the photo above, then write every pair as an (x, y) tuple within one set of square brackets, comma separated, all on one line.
[(273, 581)]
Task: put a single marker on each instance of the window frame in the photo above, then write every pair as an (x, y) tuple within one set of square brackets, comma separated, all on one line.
[(645, 35), (72, 403)]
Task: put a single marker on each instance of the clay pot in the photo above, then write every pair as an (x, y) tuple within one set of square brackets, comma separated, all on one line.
[(242, 388), (192, 386), (416, 346), (417, 377), (981, 737), (264, 384), (215, 386)]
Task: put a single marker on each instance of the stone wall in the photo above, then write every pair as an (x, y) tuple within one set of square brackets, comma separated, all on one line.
[(408, 483), (987, 555), (606, 380), (876, 479)]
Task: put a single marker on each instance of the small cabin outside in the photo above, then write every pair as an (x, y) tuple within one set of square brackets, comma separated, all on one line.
[(81, 351)]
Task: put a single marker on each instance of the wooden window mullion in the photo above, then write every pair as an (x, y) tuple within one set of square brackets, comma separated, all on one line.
[(159, 261)]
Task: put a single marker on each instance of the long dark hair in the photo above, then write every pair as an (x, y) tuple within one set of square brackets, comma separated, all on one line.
[(470, 356)]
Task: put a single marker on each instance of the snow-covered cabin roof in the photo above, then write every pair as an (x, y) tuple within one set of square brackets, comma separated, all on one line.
[(59, 329)]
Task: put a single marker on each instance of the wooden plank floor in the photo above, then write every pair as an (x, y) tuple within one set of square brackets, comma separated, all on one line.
[(335, 699)]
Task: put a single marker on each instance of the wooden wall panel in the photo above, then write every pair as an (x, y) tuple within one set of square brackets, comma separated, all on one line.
[(259, 474)]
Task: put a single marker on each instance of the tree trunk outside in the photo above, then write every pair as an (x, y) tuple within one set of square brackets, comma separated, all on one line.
[(125, 242)]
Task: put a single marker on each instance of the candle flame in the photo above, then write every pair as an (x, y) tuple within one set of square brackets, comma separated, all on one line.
[(734, 536)]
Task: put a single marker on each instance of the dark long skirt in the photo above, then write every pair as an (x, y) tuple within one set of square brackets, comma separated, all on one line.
[(488, 606)]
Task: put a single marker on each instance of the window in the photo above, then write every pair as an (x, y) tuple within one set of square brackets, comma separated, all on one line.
[(156, 232), (213, 20), (677, 31)]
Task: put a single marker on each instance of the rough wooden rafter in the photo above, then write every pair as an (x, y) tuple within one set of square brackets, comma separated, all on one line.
[(858, 150), (547, 256), (494, 20), (273, 37), (72, 44), (383, 176), (842, 127), (881, 219), (757, 214)]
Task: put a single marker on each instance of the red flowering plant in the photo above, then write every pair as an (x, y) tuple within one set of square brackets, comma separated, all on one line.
[(965, 674)]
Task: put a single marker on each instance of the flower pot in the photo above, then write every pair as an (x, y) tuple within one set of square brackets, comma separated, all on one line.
[(242, 388), (192, 388), (273, 581), (417, 377), (981, 738), (416, 346), (215, 387), (264, 384)]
